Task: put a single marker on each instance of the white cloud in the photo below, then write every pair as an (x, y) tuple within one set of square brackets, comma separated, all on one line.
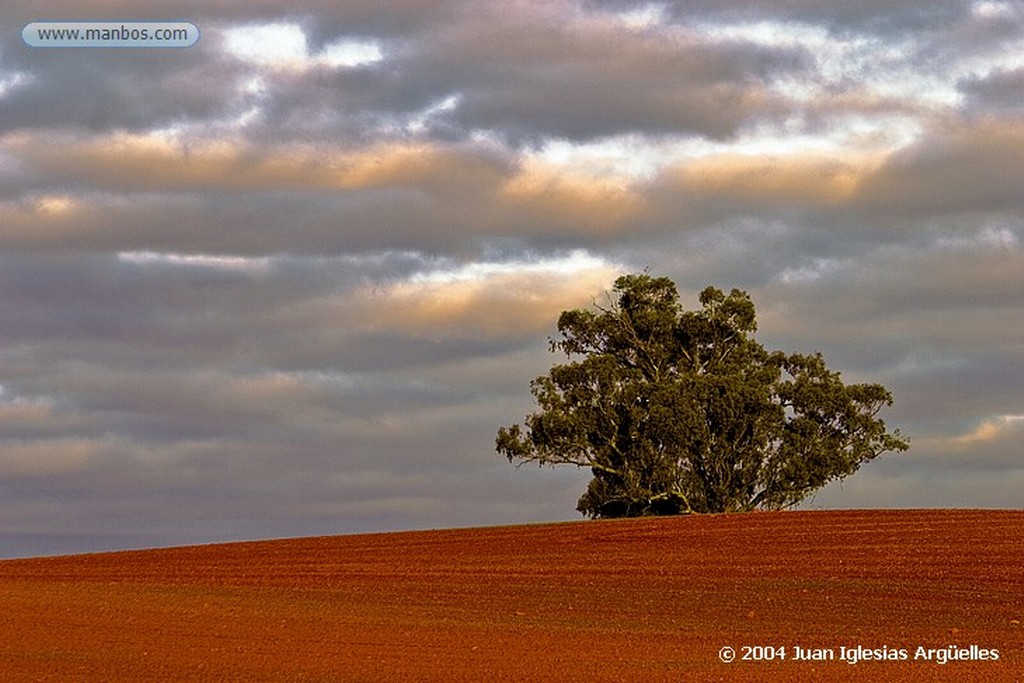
[(350, 53), (282, 45), (630, 157), (814, 271), (285, 46), (989, 237), (11, 80), (419, 123), (220, 262), (643, 17), (992, 9), (574, 263)]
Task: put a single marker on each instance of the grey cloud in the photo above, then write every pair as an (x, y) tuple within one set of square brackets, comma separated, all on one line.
[(262, 465), (102, 90), (990, 28), (524, 78), (1001, 91), (314, 321), (521, 76), (884, 16), (243, 203), (416, 213), (958, 177), (291, 314), (920, 485), (105, 91), (555, 80), (966, 169), (993, 374)]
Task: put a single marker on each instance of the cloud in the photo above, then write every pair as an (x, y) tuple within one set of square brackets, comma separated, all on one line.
[(334, 200), (961, 169), (22, 420), (155, 162), (550, 196), (285, 46), (291, 280), (508, 65), (42, 459), (1000, 427), (802, 180), (625, 80), (493, 300), (107, 92), (872, 15), (884, 294), (999, 91)]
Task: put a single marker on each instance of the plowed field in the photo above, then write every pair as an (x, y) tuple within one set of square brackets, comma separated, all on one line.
[(632, 600)]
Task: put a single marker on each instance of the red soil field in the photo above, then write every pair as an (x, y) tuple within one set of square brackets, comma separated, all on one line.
[(630, 600)]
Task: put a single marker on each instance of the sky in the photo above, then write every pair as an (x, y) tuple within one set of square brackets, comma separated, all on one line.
[(291, 280)]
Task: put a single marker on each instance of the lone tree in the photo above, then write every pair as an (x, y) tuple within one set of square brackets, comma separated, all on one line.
[(682, 411)]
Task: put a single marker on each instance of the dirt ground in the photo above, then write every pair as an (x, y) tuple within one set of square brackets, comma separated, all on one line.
[(631, 600)]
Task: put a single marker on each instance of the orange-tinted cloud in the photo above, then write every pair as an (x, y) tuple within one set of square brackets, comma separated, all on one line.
[(503, 302), (540, 192), (156, 162), (992, 429), (792, 180), (61, 456)]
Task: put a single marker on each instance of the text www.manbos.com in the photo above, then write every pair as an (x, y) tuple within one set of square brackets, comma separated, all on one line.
[(110, 34)]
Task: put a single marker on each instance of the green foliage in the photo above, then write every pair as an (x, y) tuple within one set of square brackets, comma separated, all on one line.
[(682, 411)]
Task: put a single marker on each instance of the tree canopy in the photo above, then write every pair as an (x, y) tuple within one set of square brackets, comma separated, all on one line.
[(677, 411)]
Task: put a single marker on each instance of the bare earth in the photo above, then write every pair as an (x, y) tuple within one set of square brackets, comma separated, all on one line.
[(631, 600)]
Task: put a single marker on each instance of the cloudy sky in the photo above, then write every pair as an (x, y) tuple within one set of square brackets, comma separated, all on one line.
[(291, 280)]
